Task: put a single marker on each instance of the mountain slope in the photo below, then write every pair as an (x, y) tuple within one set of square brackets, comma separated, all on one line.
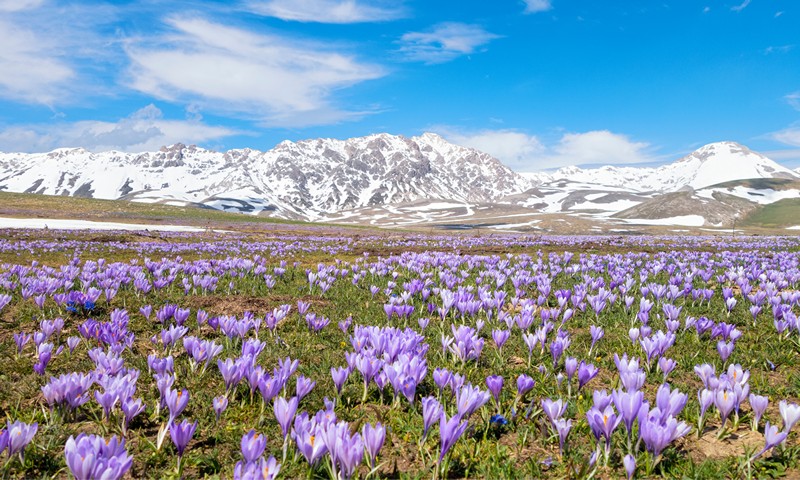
[(422, 179), (711, 164), (303, 180)]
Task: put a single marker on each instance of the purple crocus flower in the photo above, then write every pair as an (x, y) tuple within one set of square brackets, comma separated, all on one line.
[(603, 423), (21, 339), (107, 400), (706, 398), (772, 438), (231, 371), (260, 469), (524, 384), (450, 430), (303, 386), (705, 371), (601, 399), (597, 333), (570, 366), (20, 435), (284, 413), (90, 456), (495, 385), (759, 405), (130, 409), (628, 404), (253, 445), (176, 401), (657, 433), (554, 409), (442, 377), (666, 365), (181, 434), (586, 372), (670, 401), (373, 440), (339, 375), (790, 414), (431, 412), (629, 461), (310, 446), (469, 399), (563, 427), (724, 349), (72, 343), (724, 400), (500, 337), (3, 440), (633, 334), (220, 404)]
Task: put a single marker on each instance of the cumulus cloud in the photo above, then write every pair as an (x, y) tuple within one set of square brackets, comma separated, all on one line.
[(276, 80), (29, 69), (144, 130), (326, 11), (536, 6), (515, 149), (51, 53), (740, 7), (596, 147), (525, 152), (444, 42)]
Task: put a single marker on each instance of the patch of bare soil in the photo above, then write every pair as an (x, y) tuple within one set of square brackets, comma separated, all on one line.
[(520, 454), (239, 304), (709, 447)]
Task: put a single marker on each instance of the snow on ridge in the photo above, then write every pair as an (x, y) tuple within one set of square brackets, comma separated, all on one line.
[(307, 179), (318, 178), (708, 165)]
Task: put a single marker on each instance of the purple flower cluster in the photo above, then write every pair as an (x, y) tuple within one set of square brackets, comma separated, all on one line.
[(90, 456)]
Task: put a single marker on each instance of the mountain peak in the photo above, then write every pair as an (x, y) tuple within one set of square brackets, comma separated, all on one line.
[(723, 148)]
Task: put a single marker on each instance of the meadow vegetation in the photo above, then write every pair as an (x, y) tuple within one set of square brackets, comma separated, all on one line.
[(317, 354)]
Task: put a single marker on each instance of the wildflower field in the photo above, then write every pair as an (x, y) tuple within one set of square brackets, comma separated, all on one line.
[(317, 354)]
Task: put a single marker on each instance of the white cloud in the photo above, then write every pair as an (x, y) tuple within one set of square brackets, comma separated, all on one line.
[(535, 6), (55, 53), (524, 152), (265, 77), (325, 11), (144, 130), (706, 9), (444, 42), (515, 149), (19, 5), (741, 6), (596, 147), (789, 136), (784, 156), (793, 99), (29, 70), (778, 49)]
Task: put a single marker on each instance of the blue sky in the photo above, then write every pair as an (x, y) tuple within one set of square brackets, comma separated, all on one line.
[(538, 83)]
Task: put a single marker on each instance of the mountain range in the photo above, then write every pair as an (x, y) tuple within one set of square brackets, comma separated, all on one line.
[(393, 180)]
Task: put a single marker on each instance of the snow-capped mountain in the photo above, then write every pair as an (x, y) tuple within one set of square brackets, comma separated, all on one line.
[(395, 180), (306, 180), (714, 163)]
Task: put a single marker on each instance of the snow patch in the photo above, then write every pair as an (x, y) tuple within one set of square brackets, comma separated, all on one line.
[(64, 224), (682, 220)]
